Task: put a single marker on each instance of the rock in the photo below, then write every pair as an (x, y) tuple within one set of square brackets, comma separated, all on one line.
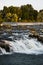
[(5, 38), (5, 46), (33, 36), (39, 38)]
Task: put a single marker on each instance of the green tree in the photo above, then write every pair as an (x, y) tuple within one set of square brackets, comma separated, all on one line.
[(8, 17), (1, 20), (27, 12), (5, 11), (40, 16), (14, 18)]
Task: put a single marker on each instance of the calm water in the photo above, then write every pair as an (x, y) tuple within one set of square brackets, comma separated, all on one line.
[(21, 59)]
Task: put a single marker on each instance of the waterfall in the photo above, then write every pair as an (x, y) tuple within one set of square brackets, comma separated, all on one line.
[(28, 46), (24, 45)]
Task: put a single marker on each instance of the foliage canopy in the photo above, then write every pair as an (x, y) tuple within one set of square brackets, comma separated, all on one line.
[(25, 13)]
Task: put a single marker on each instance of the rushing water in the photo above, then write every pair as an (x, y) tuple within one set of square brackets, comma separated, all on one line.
[(23, 50), (21, 43)]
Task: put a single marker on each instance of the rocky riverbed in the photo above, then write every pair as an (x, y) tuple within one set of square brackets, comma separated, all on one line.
[(18, 33)]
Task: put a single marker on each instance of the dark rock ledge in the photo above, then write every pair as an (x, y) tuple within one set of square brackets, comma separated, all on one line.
[(5, 46), (39, 37)]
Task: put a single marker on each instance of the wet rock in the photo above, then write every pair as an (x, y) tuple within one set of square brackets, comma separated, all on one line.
[(39, 38), (5, 46), (33, 36), (5, 38)]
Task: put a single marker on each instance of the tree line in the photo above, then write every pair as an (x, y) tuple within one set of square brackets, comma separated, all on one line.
[(25, 13)]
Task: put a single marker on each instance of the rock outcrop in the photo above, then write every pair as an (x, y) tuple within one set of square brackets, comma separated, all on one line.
[(5, 46), (34, 34), (39, 38)]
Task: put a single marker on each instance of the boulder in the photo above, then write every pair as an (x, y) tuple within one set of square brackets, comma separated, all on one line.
[(5, 46), (33, 35), (39, 38)]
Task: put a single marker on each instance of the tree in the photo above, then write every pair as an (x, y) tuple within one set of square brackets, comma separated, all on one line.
[(8, 17), (40, 16), (5, 11), (27, 12), (19, 13), (1, 20), (35, 14), (12, 9), (14, 18)]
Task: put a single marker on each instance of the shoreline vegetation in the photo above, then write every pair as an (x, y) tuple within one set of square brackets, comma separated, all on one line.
[(25, 13)]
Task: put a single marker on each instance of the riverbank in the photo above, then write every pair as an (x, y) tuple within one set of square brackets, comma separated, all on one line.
[(20, 23)]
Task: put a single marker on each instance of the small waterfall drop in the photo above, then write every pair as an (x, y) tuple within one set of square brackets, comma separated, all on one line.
[(24, 45)]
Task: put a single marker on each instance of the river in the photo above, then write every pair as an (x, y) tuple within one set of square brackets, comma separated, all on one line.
[(23, 49)]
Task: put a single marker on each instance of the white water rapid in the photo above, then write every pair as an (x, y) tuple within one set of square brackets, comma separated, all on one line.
[(24, 45)]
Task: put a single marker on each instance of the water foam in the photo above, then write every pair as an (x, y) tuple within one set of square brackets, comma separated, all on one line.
[(24, 45)]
